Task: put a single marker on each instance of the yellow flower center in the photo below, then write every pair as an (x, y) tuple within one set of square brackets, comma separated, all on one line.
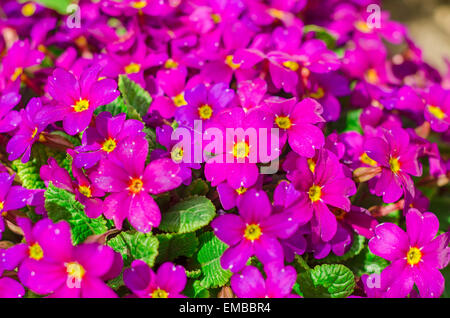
[(135, 185), (81, 105), (241, 150), (81, 41), (29, 9), (293, 66), (363, 26), (414, 256), (109, 145), (394, 164), (241, 190), (170, 64), (75, 270), (159, 293), (34, 133), (35, 251), (318, 94), (275, 13), (230, 63), (177, 154), (216, 18), (372, 76), (139, 4), (2, 205), (179, 100), (284, 122), (436, 111), (315, 193), (132, 68), (85, 190), (17, 72), (364, 158), (311, 164), (205, 111), (252, 232)]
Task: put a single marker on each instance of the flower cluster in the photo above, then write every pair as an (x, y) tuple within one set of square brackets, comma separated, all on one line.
[(166, 148)]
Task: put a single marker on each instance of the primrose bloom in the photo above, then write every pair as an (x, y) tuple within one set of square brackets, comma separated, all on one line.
[(251, 284), (255, 231), (296, 123), (322, 184), (67, 271), (76, 99), (9, 118), (29, 131), (437, 109), (398, 159), (131, 183), (100, 141), (11, 197), (168, 281), (416, 256)]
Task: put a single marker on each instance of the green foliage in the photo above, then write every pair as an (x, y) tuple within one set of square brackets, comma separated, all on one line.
[(367, 263), (135, 245), (321, 34), (116, 107), (57, 5), (327, 281), (137, 99), (197, 187), (29, 174), (352, 121), (61, 205), (188, 215), (195, 290), (172, 246), (213, 275)]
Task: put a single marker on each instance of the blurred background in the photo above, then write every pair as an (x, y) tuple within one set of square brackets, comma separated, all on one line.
[(429, 25)]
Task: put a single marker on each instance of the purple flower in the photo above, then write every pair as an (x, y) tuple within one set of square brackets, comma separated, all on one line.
[(29, 132), (398, 159), (296, 122), (77, 99), (278, 284), (416, 255), (9, 118), (66, 271), (168, 282), (437, 110), (131, 182), (10, 288), (100, 141), (11, 197), (255, 231)]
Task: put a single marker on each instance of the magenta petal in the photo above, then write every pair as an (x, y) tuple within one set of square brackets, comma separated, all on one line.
[(56, 242), (429, 281), (281, 225), (42, 277), (96, 259), (162, 175), (229, 228), (422, 228), (249, 284), (93, 287), (402, 281), (13, 256), (65, 291), (389, 242), (138, 277), (9, 288), (268, 249), (305, 138), (254, 206), (326, 221), (235, 257), (280, 279), (243, 175), (116, 207), (144, 213), (171, 278)]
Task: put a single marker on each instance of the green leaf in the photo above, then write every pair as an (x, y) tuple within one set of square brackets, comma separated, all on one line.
[(116, 107), (136, 245), (327, 281), (172, 246), (195, 290), (136, 98), (352, 121), (209, 258), (57, 5), (188, 215), (197, 187), (321, 34), (29, 174), (367, 263), (61, 205)]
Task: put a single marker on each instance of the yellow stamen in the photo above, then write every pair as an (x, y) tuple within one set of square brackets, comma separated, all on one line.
[(293, 66), (81, 105), (372, 76), (2, 205), (436, 111), (241, 150), (364, 158), (170, 64), (177, 154), (17, 72), (318, 94), (85, 190), (205, 111), (34, 133), (284, 122), (179, 100), (29, 9), (363, 27), (109, 145), (132, 68), (230, 63), (394, 164), (139, 4), (75, 270), (414, 256), (216, 18), (241, 190), (35, 251), (315, 193), (135, 185), (252, 232), (311, 164), (275, 13), (159, 293)]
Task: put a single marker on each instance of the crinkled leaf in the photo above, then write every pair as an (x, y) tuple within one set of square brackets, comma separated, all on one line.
[(172, 246), (136, 98)]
